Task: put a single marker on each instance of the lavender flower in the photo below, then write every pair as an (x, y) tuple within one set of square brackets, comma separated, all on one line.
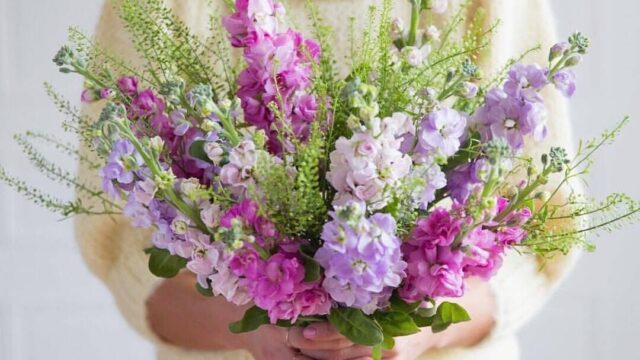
[(439, 134), (120, 167), (565, 82), (361, 257)]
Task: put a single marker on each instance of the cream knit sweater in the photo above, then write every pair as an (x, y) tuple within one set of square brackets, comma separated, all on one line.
[(114, 250)]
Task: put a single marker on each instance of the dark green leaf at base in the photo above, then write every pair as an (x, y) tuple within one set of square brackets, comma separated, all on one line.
[(253, 318), (163, 264), (356, 326)]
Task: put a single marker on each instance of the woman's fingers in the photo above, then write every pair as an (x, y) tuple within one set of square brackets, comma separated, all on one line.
[(321, 331), (351, 353), (297, 340)]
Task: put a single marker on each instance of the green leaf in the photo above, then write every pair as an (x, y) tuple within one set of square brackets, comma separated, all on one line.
[(163, 264), (208, 292), (312, 270), (196, 150), (356, 326), (396, 323), (253, 318), (448, 314), (397, 304)]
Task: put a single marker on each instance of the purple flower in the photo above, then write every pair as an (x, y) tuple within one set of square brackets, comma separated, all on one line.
[(463, 179), (88, 96), (119, 167), (524, 81), (279, 70), (440, 133), (439, 229), (128, 85), (147, 104), (504, 116), (565, 82), (141, 216), (361, 258), (483, 254)]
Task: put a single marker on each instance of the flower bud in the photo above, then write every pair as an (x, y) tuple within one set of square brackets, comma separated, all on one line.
[(208, 125), (157, 144), (468, 90), (573, 60), (64, 56), (397, 27), (214, 151), (558, 50), (432, 33)]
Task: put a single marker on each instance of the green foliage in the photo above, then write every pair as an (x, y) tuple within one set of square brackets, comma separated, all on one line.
[(356, 326), (163, 264), (169, 46), (75, 122), (253, 318), (294, 201)]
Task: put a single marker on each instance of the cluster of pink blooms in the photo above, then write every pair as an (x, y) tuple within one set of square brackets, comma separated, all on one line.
[(279, 69), (366, 166), (437, 267)]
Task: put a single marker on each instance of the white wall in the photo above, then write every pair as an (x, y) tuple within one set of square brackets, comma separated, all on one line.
[(51, 307)]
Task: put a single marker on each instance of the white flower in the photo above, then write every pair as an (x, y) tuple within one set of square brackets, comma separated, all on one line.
[(416, 56)]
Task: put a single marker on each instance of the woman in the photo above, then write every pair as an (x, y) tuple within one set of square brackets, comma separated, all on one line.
[(186, 325)]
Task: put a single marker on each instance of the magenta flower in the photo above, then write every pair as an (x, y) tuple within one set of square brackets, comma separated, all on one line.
[(128, 85), (147, 104), (438, 229)]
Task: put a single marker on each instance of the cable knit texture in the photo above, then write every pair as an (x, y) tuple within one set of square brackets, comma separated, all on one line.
[(114, 251)]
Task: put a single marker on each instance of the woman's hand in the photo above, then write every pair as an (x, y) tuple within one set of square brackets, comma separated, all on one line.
[(321, 341), (271, 342)]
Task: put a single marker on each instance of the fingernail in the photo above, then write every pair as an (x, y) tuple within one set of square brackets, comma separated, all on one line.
[(309, 332)]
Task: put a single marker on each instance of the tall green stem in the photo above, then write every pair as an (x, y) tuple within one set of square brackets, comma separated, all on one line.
[(415, 19)]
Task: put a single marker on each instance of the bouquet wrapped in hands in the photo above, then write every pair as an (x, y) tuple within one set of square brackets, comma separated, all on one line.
[(361, 200)]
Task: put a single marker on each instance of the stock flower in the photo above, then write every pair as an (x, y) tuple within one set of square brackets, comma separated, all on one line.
[(464, 178), (147, 104), (279, 71), (483, 254), (128, 85), (364, 165), (432, 178), (524, 82), (361, 257), (120, 167), (439, 133), (439, 6), (504, 116), (565, 82), (242, 159)]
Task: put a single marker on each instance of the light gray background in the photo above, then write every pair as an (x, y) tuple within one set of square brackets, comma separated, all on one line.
[(52, 308)]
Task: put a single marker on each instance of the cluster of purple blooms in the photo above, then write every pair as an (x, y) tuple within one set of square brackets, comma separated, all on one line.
[(361, 258), (517, 109), (278, 72)]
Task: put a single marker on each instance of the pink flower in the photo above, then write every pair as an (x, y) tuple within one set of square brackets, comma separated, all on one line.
[(245, 211), (439, 229), (128, 85), (483, 254), (147, 103), (314, 301)]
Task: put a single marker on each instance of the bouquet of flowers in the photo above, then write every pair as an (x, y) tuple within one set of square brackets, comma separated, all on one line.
[(361, 200)]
